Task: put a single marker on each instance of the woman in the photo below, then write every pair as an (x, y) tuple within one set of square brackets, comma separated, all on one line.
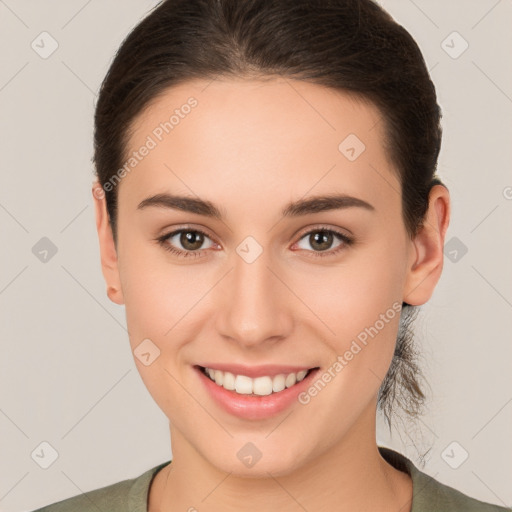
[(268, 213)]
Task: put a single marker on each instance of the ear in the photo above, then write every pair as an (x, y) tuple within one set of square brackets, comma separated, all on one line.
[(108, 252), (427, 256)]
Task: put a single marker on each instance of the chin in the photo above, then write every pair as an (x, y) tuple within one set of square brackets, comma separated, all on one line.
[(251, 462)]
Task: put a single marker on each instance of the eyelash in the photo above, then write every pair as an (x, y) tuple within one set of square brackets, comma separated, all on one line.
[(347, 241)]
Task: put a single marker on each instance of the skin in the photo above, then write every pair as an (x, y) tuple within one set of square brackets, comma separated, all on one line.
[(250, 147)]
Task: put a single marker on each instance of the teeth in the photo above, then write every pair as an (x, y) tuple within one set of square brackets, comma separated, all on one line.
[(229, 381), (278, 383), (261, 386), (219, 377), (301, 375), (291, 379), (243, 385)]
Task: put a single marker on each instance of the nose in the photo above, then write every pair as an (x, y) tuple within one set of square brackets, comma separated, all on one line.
[(254, 307)]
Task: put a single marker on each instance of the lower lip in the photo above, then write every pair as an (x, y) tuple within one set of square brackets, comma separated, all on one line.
[(255, 407)]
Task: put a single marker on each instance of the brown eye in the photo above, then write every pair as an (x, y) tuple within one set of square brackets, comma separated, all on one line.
[(186, 242), (322, 242), (191, 240)]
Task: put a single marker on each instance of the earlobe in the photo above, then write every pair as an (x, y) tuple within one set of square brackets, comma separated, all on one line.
[(427, 254), (108, 251)]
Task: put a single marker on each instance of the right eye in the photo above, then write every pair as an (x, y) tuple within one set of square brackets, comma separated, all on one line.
[(190, 240)]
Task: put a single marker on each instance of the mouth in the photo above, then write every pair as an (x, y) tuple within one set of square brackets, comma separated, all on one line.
[(256, 393), (271, 383)]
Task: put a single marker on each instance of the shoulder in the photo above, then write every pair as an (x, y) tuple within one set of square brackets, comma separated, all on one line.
[(128, 495), (113, 498), (430, 495)]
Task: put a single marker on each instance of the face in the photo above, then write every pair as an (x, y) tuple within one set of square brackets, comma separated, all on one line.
[(258, 277)]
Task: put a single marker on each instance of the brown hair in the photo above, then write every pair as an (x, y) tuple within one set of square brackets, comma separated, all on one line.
[(349, 45)]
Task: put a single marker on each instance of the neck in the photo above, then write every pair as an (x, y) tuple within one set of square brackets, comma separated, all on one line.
[(351, 475)]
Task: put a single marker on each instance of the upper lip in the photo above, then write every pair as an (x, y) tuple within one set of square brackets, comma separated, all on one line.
[(256, 371)]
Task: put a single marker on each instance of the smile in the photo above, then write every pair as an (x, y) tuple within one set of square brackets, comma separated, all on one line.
[(259, 386)]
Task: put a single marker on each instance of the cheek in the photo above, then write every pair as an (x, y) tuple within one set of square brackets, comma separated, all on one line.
[(157, 297), (359, 306), (352, 295), (156, 292)]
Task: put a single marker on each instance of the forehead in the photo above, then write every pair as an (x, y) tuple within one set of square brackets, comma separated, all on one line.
[(276, 139)]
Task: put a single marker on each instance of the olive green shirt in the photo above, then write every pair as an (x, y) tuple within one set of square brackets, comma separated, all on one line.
[(429, 495)]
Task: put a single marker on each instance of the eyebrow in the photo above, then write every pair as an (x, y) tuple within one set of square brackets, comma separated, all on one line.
[(315, 204)]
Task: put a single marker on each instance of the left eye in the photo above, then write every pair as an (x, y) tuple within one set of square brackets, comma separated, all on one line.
[(321, 240)]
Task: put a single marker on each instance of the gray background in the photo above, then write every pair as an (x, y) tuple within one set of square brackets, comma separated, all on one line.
[(67, 374)]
